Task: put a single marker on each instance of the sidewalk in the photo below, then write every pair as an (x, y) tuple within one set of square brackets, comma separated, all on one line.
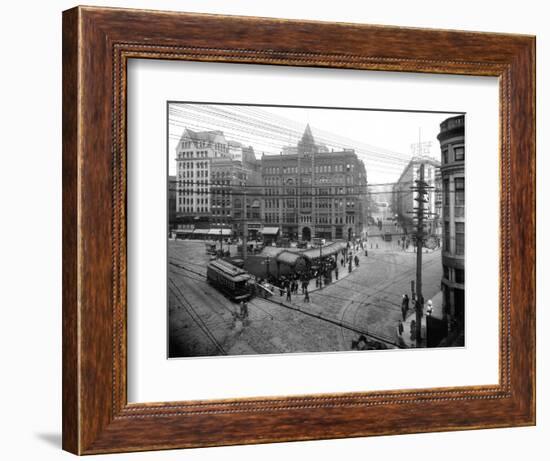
[(437, 312)]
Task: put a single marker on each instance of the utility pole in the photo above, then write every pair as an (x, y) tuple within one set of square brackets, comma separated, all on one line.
[(320, 264), (421, 188)]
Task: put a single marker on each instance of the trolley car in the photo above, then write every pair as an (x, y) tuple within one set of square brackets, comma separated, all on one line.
[(233, 282)]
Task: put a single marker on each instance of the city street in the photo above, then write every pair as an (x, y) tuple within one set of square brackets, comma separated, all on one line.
[(367, 302)]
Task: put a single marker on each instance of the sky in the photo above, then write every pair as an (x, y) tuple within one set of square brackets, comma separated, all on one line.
[(382, 139)]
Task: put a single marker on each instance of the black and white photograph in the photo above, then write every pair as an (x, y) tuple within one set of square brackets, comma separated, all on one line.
[(313, 229), (245, 230)]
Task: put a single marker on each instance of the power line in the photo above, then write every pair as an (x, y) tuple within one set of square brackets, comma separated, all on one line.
[(254, 126), (273, 130)]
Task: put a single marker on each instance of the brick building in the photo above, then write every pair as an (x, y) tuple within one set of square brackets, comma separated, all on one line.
[(310, 191), (236, 191)]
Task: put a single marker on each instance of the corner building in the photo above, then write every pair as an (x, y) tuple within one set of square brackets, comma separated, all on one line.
[(451, 138), (310, 191), (212, 172)]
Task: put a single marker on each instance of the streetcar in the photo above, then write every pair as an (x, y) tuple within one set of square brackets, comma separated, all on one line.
[(233, 282)]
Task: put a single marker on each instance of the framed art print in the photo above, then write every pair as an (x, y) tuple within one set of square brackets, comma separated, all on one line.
[(314, 230)]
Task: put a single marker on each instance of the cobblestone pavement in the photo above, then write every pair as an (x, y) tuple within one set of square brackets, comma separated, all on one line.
[(204, 322)]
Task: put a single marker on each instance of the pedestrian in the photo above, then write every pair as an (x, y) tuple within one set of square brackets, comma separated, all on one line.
[(342, 261), (400, 328), (413, 329), (336, 273), (306, 297), (288, 294), (429, 309), (404, 306), (244, 310), (356, 259)]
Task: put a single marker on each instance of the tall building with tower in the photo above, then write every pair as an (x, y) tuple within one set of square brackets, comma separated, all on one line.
[(451, 138), (403, 195), (311, 191)]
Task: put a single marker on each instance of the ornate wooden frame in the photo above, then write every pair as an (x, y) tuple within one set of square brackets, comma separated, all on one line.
[(97, 43)]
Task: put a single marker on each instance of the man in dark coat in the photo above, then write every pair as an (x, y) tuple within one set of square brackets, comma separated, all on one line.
[(404, 306)]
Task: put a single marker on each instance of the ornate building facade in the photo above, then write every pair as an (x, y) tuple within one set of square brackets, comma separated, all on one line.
[(310, 191), (213, 178), (307, 191), (451, 138)]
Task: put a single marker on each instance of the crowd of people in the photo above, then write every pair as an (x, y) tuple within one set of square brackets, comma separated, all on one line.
[(322, 271)]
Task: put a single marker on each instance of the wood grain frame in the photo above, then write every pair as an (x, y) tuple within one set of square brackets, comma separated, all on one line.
[(97, 44)]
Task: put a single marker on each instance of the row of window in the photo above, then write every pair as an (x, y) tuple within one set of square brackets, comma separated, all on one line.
[(191, 209), (320, 204), (317, 191), (193, 174), (193, 154), (193, 191), (202, 144), (273, 218), (307, 169), (191, 201), (191, 165)]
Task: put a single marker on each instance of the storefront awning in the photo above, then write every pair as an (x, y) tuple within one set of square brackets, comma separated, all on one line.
[(219, 232), (270, 230), (185, 230)]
